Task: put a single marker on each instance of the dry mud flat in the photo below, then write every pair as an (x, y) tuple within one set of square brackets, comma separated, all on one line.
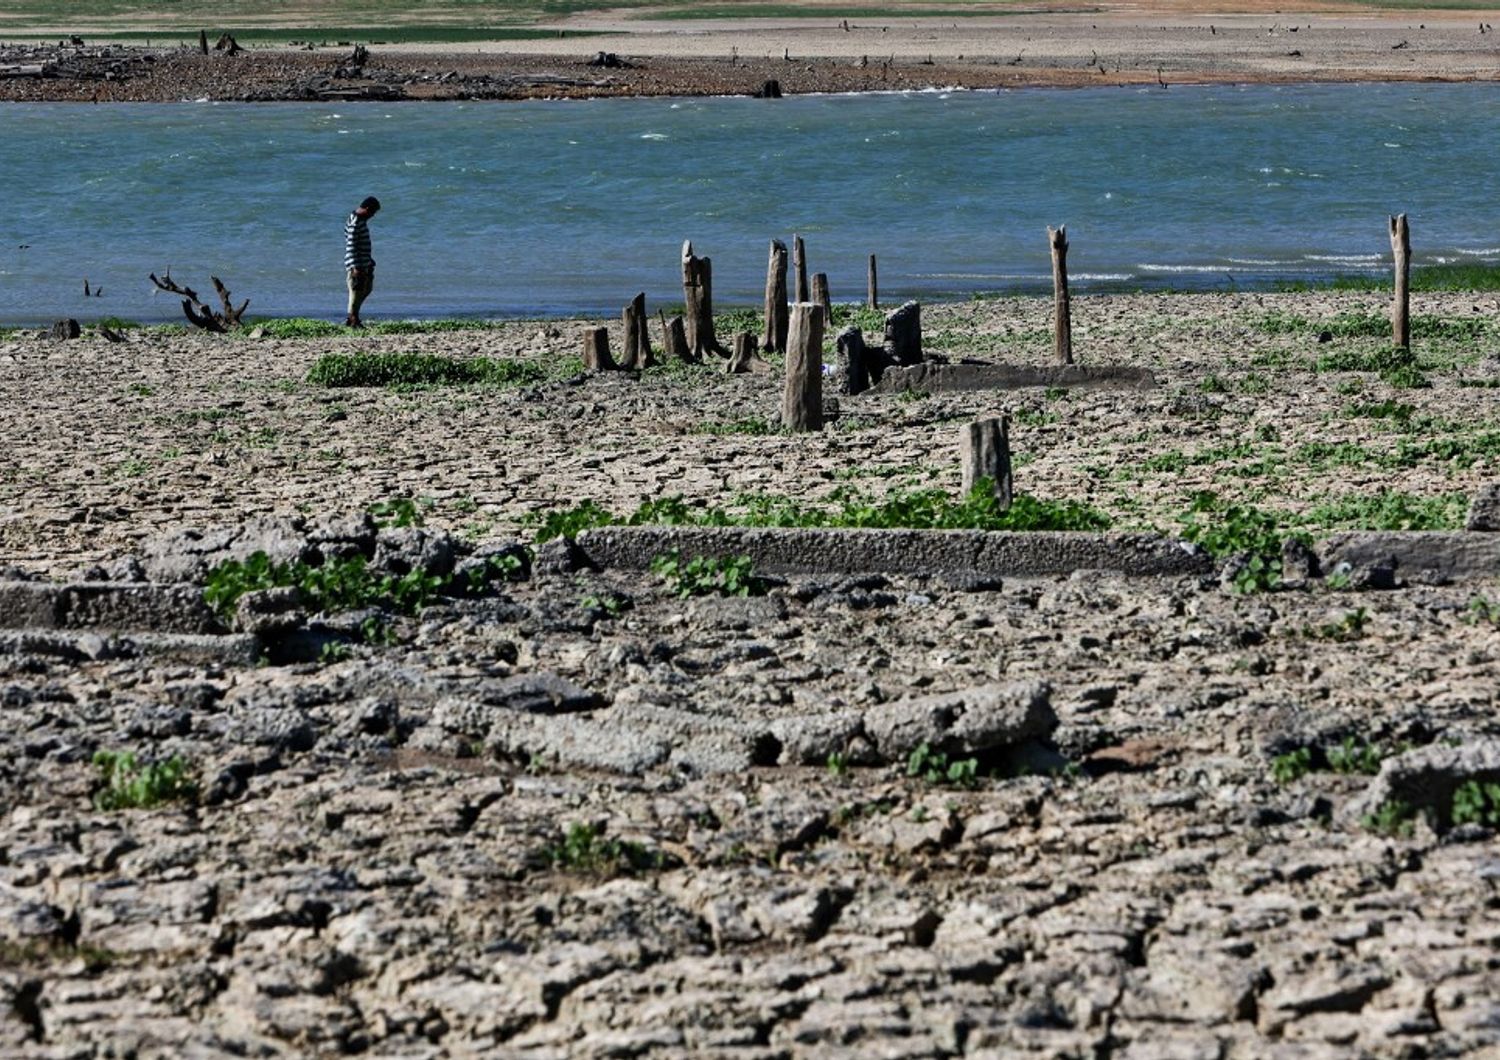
[(583, 816), (737, 57)]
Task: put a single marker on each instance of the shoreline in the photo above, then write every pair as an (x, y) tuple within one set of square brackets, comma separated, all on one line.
[(697, 59)]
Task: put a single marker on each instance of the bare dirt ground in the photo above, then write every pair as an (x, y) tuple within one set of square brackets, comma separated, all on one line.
[(1180, 44), (377, 864)]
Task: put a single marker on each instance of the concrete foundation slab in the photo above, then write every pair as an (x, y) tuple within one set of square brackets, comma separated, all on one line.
[(935, 377), (1415, 554), (802, 551)]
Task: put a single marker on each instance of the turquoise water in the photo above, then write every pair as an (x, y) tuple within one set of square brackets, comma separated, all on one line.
[(562, 207)]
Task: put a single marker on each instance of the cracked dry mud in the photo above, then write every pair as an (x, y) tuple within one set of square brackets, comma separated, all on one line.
[(370, 866)]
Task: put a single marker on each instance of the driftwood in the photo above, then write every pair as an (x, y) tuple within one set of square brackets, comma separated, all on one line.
[(872, 293), (228, 45), (199, 312)]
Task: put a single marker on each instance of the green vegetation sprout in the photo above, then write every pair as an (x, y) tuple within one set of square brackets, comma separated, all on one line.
[(130, 784)]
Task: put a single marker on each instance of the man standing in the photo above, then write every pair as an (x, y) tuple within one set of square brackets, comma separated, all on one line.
[(357, 260)]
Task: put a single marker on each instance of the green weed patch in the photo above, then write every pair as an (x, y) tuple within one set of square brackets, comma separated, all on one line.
[(130, 784), (418, 369), (914, 510)]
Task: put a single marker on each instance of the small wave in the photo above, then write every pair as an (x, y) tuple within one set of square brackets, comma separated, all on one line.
[(1183, 268), (1389, 144), (1482, 252), (1103, 277), (1346, 259), (1263, 262), (654, 136)]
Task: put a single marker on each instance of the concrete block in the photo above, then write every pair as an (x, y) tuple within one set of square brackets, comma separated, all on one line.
[(938, 377)]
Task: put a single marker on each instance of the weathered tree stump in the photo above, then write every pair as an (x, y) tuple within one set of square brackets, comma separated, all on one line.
[(198, 312), (802, 394), (203, 41), (746, 356), (637, 342), (820, 296), (853, 360), (799, 266), (64, 330), (769, 90), (776, 300), (984, 450), (1062, 312), (872, 291), (903, 335), (228, 45), (1401, 304), (674, 340), (697, 295), (596, 356)]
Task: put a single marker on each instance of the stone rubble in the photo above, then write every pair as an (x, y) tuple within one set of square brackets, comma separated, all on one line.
[(579, 815)]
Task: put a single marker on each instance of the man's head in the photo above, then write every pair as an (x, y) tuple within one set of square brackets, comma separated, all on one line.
[(370, 207)]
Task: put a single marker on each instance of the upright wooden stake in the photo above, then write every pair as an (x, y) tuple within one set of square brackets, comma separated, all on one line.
[(697, 295), (802, 395), (1400, 307), (872, 291), (637, 341), (776, 320), (820, 295), (674, 339), (984, 449), (203, 41), (799, 264), (596, 356), (1062, 313)]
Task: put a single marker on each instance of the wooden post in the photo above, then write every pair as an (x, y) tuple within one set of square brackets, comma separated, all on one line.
[(984, 449), (637, 341), (596, 356), (775, 336), (674, 339), (854, 359), (802, 395), (1400, 307), (203, 41), (820, 295), (872, 291), (1062, 313), (903, 334), (799, 264), (697, 295)]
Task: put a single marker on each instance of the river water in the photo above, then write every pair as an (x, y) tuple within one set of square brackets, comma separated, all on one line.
[(571, 207)]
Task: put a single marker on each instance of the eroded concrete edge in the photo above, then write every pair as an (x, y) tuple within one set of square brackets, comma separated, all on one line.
[(929, 552), (940, 377)]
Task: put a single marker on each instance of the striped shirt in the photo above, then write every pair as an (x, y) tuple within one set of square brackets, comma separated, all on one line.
[(357, 243)]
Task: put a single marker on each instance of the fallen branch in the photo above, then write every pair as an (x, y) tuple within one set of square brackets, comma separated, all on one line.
[(199, 312)]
